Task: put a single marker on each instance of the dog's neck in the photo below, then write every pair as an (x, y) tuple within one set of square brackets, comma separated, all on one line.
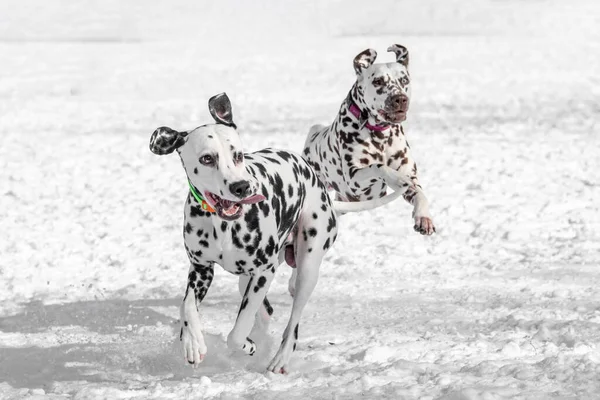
[(355, 107)]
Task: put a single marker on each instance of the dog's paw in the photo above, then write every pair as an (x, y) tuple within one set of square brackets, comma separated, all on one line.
[(249, 347), (192, 341), (424, 225), (279, 364), (246, 345)]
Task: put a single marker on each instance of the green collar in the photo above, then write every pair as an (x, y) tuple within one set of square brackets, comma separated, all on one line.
[(203, 203)]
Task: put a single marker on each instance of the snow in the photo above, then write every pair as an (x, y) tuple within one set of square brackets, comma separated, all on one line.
[(503, 303)]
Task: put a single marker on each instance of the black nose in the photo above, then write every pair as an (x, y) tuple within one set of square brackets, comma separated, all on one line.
[(240, 189), (399, 101)]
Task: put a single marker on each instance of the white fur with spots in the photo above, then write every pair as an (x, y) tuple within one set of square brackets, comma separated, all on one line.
[(359, 156)]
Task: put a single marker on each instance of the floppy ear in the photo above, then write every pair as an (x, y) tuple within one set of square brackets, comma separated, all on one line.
[(364, 60), (165, 140), (220, 109), (401, 53)]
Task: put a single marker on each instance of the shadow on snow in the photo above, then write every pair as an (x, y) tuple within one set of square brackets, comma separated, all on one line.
[(108, 350)]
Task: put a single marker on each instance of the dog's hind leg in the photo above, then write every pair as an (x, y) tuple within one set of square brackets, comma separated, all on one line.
[(292, 282), (200, 277), (285, 254), (311, 246), (254, 295)]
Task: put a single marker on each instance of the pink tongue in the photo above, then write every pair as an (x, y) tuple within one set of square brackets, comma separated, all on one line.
[(253, 199)]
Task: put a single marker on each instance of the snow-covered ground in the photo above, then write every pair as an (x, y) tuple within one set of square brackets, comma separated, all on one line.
[(503, 303)]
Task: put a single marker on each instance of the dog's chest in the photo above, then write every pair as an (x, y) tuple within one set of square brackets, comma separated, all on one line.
[(338, 151), (239, 246)]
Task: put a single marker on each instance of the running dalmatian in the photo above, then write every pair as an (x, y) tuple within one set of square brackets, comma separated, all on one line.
[(365, 149), (242, 212)]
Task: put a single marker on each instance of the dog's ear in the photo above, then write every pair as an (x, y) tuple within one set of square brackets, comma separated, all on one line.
[(165, 140), (364, 60), (220, 109), (401, 53)]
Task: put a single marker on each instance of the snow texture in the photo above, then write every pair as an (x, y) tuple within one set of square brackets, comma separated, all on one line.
[(503, 303)]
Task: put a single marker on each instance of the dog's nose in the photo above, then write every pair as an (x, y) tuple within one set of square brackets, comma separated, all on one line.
[(399, 101), (240, 189)]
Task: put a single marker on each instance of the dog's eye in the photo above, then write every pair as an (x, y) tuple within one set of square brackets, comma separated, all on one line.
[(207, 159), (238, 157), (404, 81), (378, 82)]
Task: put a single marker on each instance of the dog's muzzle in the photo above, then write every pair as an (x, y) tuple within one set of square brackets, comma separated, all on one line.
[(396, 108)]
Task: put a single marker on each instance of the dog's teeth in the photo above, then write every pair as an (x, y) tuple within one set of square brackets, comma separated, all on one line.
[(231, 210)]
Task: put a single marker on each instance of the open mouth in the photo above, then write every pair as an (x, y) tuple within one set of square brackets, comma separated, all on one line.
[(226, 209), (230, 210), (394, 116)]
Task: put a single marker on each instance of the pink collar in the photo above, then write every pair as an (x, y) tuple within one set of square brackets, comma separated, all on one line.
[(356, 112)]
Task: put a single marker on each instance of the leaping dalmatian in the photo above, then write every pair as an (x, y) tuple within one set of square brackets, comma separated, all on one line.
[(365, 150)]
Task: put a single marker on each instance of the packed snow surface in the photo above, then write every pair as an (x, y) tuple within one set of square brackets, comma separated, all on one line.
[(502, 303)]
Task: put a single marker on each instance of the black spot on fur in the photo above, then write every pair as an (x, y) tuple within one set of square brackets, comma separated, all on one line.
[(331, 224), (196, 211), (285, 155), (270, 249), (244, 303), (251, 218), (268, 306), (240, 264), (235, 239), (260, 258)]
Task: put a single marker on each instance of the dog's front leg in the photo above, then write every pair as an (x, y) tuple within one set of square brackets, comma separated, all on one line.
[(415, 196), (405, 179), (263, 316), (423, 221), (393, 178), (200, 277), (256, 291)]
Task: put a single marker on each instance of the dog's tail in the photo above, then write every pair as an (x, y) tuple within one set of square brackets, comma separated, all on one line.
[(343, 207)]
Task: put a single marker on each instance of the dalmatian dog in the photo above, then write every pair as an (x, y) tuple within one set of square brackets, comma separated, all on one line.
[(242, 212), (365, 149)]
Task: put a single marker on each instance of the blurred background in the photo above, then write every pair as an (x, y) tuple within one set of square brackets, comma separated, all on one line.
[(503, 124)]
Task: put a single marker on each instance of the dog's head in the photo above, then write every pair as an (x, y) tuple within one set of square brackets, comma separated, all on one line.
[(383, 90), (213, 160)]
